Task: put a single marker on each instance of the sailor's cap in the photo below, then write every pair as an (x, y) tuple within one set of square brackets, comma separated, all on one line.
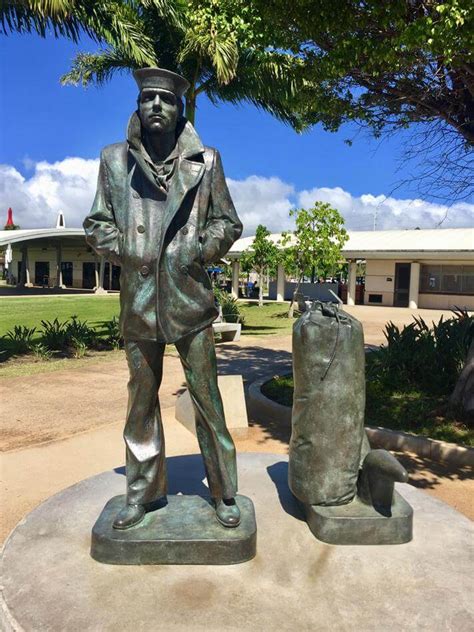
[(161, 78)]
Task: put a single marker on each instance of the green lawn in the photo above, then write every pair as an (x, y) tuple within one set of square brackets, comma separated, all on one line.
[(30, 311), (269, 319), (408, 411)]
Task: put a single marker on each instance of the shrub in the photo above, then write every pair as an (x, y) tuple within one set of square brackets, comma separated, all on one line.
[(428, 358), (112, 332), (230, 307), (41, 351), (72, 335), (78, 347), (54, 335), (19, 339), (80, 334)]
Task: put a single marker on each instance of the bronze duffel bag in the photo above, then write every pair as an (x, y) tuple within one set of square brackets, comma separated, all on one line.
[(328, 408)]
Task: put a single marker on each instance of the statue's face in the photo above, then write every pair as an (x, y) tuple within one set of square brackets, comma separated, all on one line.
[(159, 110)]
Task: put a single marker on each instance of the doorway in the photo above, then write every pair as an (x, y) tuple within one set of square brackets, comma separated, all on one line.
[(42, 273), (66, 271), (88, 275), (402, 284)]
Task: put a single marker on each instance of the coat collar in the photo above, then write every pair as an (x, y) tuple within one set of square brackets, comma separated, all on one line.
[(189, 172)]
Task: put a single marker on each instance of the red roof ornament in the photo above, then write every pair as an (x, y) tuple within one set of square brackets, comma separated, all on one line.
[(9, 218)]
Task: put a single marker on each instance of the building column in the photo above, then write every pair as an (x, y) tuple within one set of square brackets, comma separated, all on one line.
[(99, 277), (414, 285), (235, 278), (25, 268), (280, 283), (59, 272), (351, 283)]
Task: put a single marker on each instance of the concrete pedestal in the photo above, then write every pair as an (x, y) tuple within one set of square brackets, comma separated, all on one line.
[(295, 582), (231, 388)]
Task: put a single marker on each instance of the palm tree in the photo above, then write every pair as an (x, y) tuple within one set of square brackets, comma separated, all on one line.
[(220, 46), (40, 16), (114, 22)]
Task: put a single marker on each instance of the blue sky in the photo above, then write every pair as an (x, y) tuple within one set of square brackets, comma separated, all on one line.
[(270, 168)]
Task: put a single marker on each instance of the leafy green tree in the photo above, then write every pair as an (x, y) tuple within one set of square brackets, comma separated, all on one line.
[(315, 244), (223, 47), (388, 65), (261, 255)]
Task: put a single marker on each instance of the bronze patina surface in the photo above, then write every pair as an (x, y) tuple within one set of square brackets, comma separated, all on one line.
[(358, 523), (162, 212), (184, 531), (346, 489)]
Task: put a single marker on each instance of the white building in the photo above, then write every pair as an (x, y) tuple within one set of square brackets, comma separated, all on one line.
[(404, 268), (56, 257), (415, 268)]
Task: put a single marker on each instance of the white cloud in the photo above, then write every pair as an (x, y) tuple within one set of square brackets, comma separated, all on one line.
[(261, 200), (389, 212), (69, 185)]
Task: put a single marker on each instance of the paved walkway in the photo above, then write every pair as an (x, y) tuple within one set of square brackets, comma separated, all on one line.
[(64, 426)]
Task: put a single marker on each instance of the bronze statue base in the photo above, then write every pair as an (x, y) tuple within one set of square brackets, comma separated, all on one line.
[(359, 523), (185, 530)]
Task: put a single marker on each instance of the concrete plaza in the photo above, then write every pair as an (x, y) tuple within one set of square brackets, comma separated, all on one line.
[(63, 426)]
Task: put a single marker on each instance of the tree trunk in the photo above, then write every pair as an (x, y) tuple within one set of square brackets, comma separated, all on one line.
[(260, 289), (462, 398), (190, 112), (291, 309)]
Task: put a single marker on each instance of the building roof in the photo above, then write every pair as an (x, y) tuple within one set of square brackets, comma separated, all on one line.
[(441, 243), (29, 234)]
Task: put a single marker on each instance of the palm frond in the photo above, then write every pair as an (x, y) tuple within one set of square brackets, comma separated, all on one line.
[(219, 48), (171, 11), (119, 25), (270, 80), (40, 16), (97, 67)]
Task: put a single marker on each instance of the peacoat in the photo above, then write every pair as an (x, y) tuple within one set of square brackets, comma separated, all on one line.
[(162, 239)]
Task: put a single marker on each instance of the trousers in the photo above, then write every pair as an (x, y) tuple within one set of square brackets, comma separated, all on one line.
[(143, 434)]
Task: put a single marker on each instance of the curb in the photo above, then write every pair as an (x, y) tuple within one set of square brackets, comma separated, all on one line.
[(260, 408)]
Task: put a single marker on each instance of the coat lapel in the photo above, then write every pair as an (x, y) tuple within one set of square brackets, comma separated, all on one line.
[(187, 176), (188, 173)]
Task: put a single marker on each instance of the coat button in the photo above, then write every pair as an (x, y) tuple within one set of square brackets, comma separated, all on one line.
[(185, 230), (135, 195), (140, 228), (144, 271), (184, 269)]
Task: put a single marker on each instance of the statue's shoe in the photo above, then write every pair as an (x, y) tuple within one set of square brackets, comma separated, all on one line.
[(129, 516), (227, 512)]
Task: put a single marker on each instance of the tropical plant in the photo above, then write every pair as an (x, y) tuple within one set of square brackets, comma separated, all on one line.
[(260, 255), (231, 312), (78, 347), (113, 336), (429, 358), (20, 339), (54, 334), (41, 351), (315, 246), (223, 47), (388, 65), (112, 21), (79, 332)]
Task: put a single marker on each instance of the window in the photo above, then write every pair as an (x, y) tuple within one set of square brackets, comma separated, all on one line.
[(445, 279), (375, 298), (430, 279)]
